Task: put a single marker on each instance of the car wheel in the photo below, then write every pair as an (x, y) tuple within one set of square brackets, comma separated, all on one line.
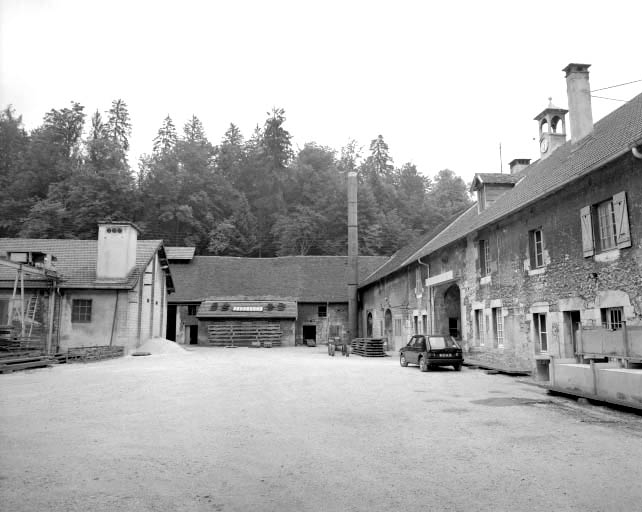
[(457, 367), (402, 360), (423, 364)]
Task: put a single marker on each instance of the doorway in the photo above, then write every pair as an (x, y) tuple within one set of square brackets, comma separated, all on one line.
[(193, 334), (309, 333), (170, 331), (369, 326), (572, 322)]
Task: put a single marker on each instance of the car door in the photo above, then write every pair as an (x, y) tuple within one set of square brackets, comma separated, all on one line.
[(411, 353)]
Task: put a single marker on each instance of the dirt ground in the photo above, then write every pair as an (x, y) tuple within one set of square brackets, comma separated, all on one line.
[(292, 429)]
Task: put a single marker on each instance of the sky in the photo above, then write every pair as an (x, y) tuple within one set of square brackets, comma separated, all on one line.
[(445, 83)]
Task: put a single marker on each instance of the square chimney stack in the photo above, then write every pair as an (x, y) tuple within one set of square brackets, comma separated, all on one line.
[(117, 245), (579, 100)]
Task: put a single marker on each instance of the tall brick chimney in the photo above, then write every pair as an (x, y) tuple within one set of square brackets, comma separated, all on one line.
[(116, 256), (579, 100)]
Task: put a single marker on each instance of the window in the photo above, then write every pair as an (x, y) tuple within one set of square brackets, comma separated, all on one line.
[(397, 331), (612, 318), (323, 311), (418, 284), (191, 309), (536, 248), (424, 323), (416, 325), (498, 328), (81, 311), (605, 225), (539, 321), (484, 258), (479, 327)]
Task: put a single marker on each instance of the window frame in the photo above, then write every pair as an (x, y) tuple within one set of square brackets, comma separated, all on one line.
[(322, 311), (498, 327), (612, 318), (81, 311), (539, 321), (536, 248), (605, 229), (484, 257)]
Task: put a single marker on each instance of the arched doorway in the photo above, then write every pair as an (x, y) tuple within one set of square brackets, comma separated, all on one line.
[(451, 323), (369, 325)]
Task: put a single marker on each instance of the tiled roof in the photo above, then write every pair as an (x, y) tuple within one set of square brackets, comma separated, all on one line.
[(300, 278), (179, 253), (612, 137), (76, 260)]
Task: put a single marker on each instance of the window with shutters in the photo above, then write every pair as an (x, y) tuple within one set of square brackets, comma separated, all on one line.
[(605, 225), (498, 328)]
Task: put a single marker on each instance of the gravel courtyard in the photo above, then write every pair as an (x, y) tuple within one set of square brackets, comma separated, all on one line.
[(291, 429)]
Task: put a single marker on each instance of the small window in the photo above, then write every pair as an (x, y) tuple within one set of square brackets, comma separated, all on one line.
[(484, 258), (323, 311), (539, 321), (191, 309), (612, 318), (605, 226), (498, 328), (81, 311), (536, 248)]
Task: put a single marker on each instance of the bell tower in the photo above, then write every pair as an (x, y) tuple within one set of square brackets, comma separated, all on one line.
[(552, 128)]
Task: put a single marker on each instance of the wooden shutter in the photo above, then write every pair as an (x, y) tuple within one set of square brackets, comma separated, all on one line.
[(622, 233), (531, 249), (587, 231)]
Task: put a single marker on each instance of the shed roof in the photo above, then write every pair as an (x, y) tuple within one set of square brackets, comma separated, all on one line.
[(300, 278), (76, 261), (180, 253), (612, 137)]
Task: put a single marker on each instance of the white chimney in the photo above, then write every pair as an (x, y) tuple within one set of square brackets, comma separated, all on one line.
[(579, 100), (117, 243)]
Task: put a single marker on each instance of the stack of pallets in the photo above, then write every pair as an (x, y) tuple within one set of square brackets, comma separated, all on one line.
[(94, 353), (244, 334), (22, 361), (368, 347)]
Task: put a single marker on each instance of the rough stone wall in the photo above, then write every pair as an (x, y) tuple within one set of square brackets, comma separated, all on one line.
[(569, 281), (308, 314)]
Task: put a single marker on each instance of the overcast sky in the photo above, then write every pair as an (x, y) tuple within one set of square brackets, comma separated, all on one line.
[(444, 83)]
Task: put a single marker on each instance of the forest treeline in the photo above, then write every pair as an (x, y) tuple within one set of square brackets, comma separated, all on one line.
[(255, 196)]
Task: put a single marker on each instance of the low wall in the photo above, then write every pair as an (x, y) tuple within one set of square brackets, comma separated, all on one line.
[(603, 381)]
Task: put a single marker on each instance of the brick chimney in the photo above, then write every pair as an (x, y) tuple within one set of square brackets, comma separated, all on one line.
[(116, 256), (518, 164), (579, 100)]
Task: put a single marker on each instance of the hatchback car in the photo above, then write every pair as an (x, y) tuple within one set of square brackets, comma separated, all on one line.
[(428, 350)]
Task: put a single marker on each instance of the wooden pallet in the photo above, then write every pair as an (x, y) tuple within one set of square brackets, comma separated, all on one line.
[(94, 353), (368, 347), (12, 364), (244, 334)]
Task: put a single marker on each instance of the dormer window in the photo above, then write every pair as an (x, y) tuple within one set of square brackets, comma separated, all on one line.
[(490, 186)]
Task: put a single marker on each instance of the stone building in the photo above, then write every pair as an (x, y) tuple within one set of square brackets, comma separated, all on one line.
[(227, 300), (109, 291), (546, 265)]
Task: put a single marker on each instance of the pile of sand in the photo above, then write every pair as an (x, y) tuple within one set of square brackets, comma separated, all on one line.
[(161, 346)]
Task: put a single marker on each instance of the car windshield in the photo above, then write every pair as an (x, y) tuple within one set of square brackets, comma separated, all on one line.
[(437, 342)]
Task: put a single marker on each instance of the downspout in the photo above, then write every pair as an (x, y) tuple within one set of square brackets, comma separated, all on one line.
[(429, 301), (113, 322)]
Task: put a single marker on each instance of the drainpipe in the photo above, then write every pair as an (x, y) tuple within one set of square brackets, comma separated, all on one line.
[(429, 301)]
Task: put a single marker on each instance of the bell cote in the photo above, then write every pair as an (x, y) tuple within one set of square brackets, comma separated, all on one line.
[(552, 128)]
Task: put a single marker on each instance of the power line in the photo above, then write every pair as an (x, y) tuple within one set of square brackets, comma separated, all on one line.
[(612, 99), (612, 86)]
